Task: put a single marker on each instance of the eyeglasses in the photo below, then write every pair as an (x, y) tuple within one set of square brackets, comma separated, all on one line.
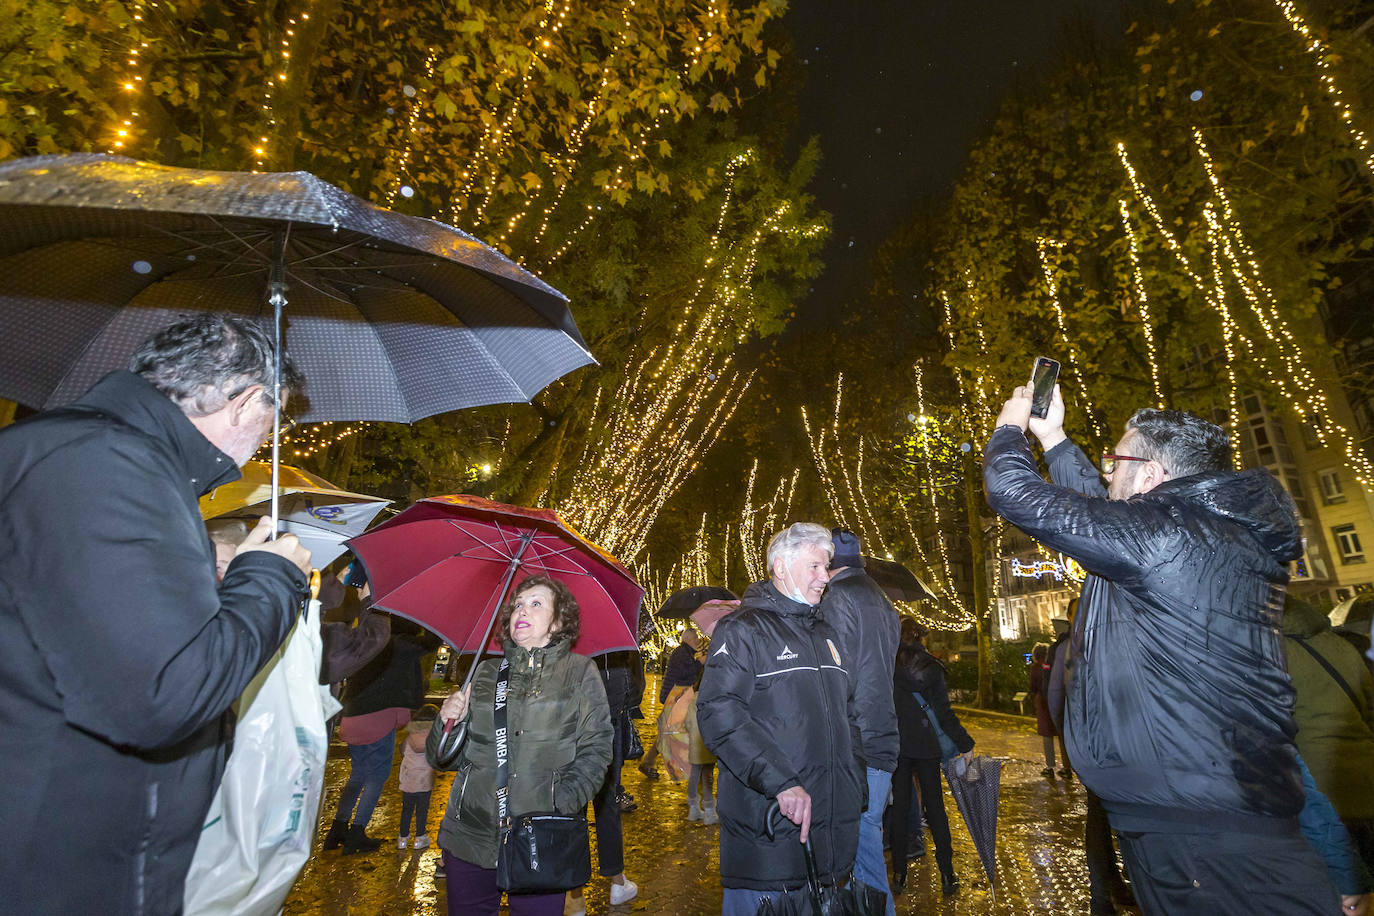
[(1109, 461)]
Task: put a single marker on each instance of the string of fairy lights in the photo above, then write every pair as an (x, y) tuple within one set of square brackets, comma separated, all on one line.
[(1142, 300), (846, 494), (1326, 60), (1276, 351), (132, 84), (1049, 251)]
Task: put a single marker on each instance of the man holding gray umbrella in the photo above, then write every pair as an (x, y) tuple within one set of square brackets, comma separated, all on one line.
[(122, 654)]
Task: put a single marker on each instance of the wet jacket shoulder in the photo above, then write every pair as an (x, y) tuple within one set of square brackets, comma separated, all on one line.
[(776, 708), (393, 677), (1334, 731), (1184, 578), (924, 674), (348, 648), (867, 628), (123, 654), (559, 729)]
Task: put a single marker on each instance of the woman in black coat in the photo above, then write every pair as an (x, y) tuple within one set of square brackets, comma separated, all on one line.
[(918, 671)]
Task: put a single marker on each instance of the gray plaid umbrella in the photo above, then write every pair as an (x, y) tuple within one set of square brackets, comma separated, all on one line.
[(975, 790), (391, 317)]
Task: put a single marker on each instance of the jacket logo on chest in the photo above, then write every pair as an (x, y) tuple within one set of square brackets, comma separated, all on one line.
[(787, 654)]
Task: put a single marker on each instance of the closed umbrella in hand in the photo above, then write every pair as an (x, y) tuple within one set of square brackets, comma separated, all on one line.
[(975, 788)]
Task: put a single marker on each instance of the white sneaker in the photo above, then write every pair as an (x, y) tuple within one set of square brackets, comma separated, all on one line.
[(693, 812), (401, 842), (708, 815), (623, 893), (422, 841)]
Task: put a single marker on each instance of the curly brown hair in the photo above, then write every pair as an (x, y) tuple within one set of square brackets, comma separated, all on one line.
[(567, 616)]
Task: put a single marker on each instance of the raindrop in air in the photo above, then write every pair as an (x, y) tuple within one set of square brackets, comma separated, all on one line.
[(142, 267), (409, 91), (1196, 95), (407, 191)]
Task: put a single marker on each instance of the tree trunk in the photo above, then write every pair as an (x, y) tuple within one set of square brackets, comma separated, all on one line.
[(982, 616)]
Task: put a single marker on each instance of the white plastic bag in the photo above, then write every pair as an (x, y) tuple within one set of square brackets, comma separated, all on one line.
[(258, 831)]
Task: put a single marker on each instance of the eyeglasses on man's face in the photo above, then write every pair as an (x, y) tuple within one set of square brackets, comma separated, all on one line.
[(1109, 461)]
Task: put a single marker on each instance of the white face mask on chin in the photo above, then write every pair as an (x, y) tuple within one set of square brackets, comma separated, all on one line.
[(796, 593)]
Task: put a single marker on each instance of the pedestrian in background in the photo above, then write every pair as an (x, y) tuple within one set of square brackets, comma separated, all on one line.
[(122, 653), (376, 702), (868, 629), (1037, 674), (681, 672), (417, 779), (701, 775), (919, 672), (616, 675), (1335, 715)]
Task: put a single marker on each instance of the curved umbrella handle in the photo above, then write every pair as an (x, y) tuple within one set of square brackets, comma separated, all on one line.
[(450, 744)]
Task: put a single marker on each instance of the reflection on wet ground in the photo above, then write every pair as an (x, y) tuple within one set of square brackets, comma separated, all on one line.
[(1040, 866)]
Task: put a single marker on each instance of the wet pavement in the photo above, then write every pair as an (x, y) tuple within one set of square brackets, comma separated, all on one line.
[(1040, 865)]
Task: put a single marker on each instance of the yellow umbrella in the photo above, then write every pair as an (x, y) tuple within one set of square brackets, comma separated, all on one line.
[(312, 508)]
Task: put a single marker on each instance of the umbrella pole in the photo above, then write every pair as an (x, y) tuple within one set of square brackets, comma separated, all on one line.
[(276, 290), (451, 742)]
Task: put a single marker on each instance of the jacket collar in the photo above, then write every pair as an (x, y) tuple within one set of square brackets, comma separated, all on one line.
[(523, 658), (1253, 499), (766, 595), (132, 400)]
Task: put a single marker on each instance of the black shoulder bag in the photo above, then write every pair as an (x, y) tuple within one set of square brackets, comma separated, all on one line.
[(540, 853)]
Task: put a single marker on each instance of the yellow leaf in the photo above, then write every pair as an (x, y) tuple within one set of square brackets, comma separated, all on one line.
[(532, 181), (665, 148)]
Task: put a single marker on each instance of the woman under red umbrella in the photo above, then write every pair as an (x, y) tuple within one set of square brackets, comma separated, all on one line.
[(559, 743)]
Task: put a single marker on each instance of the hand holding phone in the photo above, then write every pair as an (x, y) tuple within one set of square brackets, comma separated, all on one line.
[(1044, 377)]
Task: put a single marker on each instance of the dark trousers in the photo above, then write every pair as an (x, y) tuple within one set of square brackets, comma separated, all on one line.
[(472, 891), (610, 841), (369, 768), (1228, 874), (1098, 850), (416, 803), (1361, 832), (927, 773)]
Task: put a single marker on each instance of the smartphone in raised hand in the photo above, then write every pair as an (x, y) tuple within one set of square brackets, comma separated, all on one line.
[(1043, 379)]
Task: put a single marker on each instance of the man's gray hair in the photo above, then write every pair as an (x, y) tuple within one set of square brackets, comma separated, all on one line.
[(790, 541), (204, 361), (1185, 444)]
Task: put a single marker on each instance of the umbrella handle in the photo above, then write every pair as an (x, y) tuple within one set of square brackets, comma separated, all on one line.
[(451, 743)]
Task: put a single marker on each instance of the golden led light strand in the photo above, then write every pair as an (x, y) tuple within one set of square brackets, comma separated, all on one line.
[(1142, 298), (1325, 61), (398, 184), (1043, 247), (126, 132)]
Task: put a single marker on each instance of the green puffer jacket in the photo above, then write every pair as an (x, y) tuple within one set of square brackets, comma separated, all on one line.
[(560, 746), (1335, 735)]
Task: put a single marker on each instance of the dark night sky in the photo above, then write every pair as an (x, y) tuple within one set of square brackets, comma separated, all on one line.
[(897, 90)]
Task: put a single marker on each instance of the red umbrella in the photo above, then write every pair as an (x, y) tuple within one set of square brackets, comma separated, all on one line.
[(448, 563)]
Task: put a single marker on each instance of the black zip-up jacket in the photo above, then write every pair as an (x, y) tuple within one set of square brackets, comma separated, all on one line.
[(1179, 712), (868, 630), (121, 655), (777, 709), (924, 674)]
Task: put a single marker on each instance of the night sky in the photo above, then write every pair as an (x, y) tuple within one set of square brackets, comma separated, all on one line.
[(897, 90)]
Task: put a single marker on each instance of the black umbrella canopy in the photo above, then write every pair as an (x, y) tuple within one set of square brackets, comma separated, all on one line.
[(896, 581), (681, 604), (391, 317)]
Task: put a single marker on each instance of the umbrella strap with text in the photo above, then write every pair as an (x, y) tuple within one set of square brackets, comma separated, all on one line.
[(502, 744)]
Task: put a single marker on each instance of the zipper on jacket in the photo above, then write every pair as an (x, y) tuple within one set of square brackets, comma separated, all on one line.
[(462, 791)]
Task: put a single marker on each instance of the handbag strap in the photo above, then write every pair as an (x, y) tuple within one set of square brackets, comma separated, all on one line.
[(1330, 669), (502, 745)]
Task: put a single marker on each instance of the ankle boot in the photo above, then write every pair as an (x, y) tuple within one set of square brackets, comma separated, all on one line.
[(357, 840), (949, 882), (335, 837)]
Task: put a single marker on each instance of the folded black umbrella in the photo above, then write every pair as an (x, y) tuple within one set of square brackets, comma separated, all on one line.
[(816, 899), (682, 603), (896, 581)]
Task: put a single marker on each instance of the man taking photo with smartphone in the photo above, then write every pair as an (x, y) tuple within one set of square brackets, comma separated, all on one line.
[(1179, 713)]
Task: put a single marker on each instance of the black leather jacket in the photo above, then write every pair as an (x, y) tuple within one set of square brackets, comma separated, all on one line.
[(777, 709), (1178, 709)]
